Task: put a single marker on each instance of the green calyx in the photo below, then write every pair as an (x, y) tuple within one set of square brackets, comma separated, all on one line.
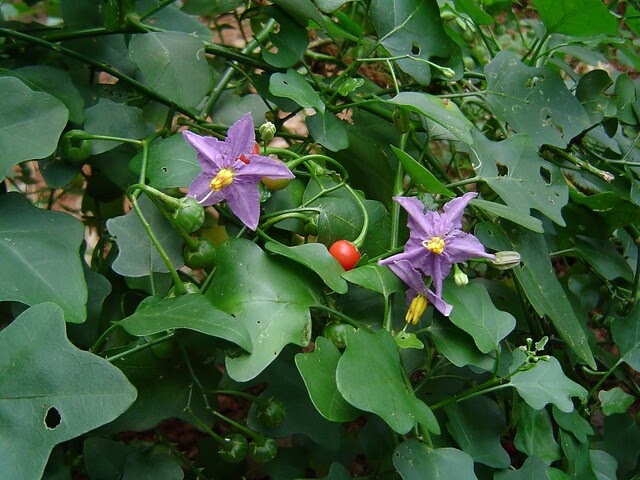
[(202, 256)]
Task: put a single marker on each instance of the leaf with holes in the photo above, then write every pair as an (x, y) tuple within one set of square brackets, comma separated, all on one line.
[(269, 295), (172, 163), (534, 101), (525, 182), (413, 28), (50, 391), (294, 86), (40, 257)]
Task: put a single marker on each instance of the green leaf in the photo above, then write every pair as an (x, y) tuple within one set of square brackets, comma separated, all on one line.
[(174, 64), (577, 457), (193, 312), (546, 383), (316, 257), (578, 18), (508, 213), (106, 459), (40, 257), (406, 340), (474, 312), (269, 296), (173, 19), (328, 130), (615, 400), (533, 468), (603, 257), (286, 385), (540, 283), (534, 101), (513, 169), (574, 423), (622, 440), (30, 123), (442, 111), (50, 391), (604, 465), (290, 40), (302, 11), (116, 120), (590, 92), (420, 175), (56, 82), (110, 49), (374, 383), (294, 86), (626, 335), (375, 277), (457, 346), (477, 426), (137, 255), (318, 370), (413, 28), (535, 434), (479, 16), (416, 461), (172, 163)]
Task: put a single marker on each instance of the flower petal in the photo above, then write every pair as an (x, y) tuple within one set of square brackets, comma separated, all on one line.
[(244, 200), (240, 138), (463, 246), (418, 223), (260, 166), (209, 150), (451, 219), (199, 189)]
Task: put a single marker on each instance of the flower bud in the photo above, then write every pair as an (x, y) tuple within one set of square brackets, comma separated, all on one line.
[(459, 276), (416, 309), (506, 260), (267, 131)]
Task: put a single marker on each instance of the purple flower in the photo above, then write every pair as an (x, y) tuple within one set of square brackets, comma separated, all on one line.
[(231, 171), (436, 242)]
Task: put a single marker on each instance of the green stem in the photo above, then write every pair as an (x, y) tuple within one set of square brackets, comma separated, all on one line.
[(149, 92), (156, 8), (550, 149), (103, 337), (139, 348), (180, 290), (608, 373), (340, 315), (489, 386), (228, 73)]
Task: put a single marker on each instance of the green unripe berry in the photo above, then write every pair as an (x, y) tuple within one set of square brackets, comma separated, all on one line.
[(189, 216), (271, 413), (203, 256), (76, 148), (234, 448), (263, 449)]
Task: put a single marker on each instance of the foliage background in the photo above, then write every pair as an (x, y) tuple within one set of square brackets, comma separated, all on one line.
[(117, 360)]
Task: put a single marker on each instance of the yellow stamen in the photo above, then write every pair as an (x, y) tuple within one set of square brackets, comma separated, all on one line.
[(434, 245), (223, 179), (416, 308)]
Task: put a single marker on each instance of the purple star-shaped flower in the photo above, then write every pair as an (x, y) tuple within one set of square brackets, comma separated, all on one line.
[(436, 242), (231, 170)]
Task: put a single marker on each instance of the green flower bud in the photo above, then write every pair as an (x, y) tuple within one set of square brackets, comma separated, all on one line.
[(267, 131), (506, 260), (459, 276)]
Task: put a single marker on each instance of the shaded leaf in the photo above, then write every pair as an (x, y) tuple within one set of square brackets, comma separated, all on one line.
[(40, 257), (318, 370), (535, 434), (477, 426), (193, 312), (416, 461), (328, 130), (373, 383), (137, 255), (269, 295), (626, 335), (534, 468), (50, 391), (420, 175), (174, 64), (574, 423), (30, 123), (316, 257), (457, 346), (290, 40)]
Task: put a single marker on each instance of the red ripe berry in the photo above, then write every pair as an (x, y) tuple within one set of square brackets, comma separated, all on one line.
[(346, 253)]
